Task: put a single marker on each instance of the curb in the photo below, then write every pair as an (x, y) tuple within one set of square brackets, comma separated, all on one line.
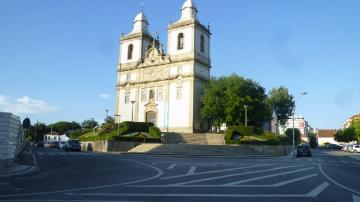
[(25, 171), (203, 155)]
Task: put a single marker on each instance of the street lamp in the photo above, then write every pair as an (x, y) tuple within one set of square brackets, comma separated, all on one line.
[(132, 110), (245, 106), (293, 124), (118, 124)]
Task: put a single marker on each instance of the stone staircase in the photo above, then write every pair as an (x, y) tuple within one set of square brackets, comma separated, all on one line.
[(192, 149), (194, 138)]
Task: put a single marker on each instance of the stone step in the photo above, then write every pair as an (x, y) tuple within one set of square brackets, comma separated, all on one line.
[(195, 138)]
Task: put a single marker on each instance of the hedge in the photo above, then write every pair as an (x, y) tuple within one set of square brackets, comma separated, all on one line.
[(237, 130), (130, 126), (154, 132)]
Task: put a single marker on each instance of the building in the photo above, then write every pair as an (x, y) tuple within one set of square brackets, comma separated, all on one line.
[(51, 137), (348, 121), (299, 123), (326, 136), (164, 88)]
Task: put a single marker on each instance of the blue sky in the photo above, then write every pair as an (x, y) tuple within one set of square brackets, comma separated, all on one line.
[(58, 58)]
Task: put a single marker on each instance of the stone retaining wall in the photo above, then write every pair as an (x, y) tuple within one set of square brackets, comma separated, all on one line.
[(108, 146)]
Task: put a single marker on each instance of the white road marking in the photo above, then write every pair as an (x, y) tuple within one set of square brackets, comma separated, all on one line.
[(171, 166), (356, 198), (267, 176), (309, 160), (232, 175), (279, 184), (318, 189), (215, 171), (159, 173), (191, 170), (312, 194), (333, 181), (320, 160), (345, 162)]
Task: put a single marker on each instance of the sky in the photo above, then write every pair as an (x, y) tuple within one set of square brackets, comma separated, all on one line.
[(58, 59)]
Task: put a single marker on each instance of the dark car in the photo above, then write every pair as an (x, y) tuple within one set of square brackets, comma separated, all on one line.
[(39, 144), (72, 145), (303, 150), (334, 146)]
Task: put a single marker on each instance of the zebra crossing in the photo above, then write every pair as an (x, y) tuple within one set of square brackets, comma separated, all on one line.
[(63, 153)]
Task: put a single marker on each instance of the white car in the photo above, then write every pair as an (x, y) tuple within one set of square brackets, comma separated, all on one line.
[(62, 145), (355, 148)]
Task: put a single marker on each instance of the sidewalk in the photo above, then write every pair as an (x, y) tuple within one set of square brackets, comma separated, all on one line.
[(25, 163), (355, 157)]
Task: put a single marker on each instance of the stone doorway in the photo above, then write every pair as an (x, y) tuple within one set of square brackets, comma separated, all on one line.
[(151, 117)]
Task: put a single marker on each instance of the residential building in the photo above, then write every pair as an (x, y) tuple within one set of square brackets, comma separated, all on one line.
[(326, 136), (348, 121)]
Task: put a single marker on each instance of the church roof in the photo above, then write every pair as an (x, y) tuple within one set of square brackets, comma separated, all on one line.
[(141, 17), (189, 4)]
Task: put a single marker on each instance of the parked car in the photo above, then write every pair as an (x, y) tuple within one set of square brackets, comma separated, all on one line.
[(303, 150), (334, 146), (355, 148), (72, 145), (349, 148), (62, 145), (39, 144)]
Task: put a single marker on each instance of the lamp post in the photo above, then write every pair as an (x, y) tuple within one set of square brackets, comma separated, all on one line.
[(118, 124), (245, 106), (293, 124), (132, 110)]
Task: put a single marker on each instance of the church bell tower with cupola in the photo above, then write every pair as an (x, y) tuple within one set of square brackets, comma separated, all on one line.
[(165, 88)]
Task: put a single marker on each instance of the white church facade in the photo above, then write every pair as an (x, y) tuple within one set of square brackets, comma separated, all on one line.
[(164, 88)]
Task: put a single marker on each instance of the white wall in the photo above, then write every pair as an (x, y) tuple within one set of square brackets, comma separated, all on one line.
[(136, 51), (188, 41), (198, 33), (179, 109), (323, 140)]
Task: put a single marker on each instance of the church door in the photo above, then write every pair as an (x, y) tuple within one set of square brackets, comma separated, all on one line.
[(151, 117)]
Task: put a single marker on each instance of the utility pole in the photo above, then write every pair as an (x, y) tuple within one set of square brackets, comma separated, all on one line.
[(245, 106)]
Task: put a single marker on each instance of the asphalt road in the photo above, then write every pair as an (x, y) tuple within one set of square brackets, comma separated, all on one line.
[(80, 176)]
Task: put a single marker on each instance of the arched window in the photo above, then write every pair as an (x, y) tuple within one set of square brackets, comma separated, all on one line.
[(202, 43), (180, 42), (130, 51)]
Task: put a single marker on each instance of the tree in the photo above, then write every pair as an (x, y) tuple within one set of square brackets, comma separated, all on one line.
[(289, 134), (89, 124), (37, 131), (355, 123), (213, 101), (346, 135), (312, 140), (64, 126), (109, 119), (224, 100), (282, 103), (26, 123)]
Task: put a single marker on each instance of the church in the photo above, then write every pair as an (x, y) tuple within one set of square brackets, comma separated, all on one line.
[(164, 88)]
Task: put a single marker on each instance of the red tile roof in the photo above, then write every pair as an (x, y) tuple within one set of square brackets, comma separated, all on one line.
[(326, 133)]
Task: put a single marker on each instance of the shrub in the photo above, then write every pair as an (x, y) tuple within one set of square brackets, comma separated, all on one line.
[(237, 130), (154, 132), (130, 126)]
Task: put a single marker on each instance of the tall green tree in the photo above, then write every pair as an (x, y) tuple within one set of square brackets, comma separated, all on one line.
[(289, 134), (355, 123), (213, 101), (312, 140), (224, 100), (346, 135), (282, 103), (89, 123)]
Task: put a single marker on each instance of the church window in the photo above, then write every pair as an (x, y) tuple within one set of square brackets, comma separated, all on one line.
[(180, 42), (143, 95), (130, 52), (152, 95), (127, 98), (202, 43), (160, 93), (179, 93)]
